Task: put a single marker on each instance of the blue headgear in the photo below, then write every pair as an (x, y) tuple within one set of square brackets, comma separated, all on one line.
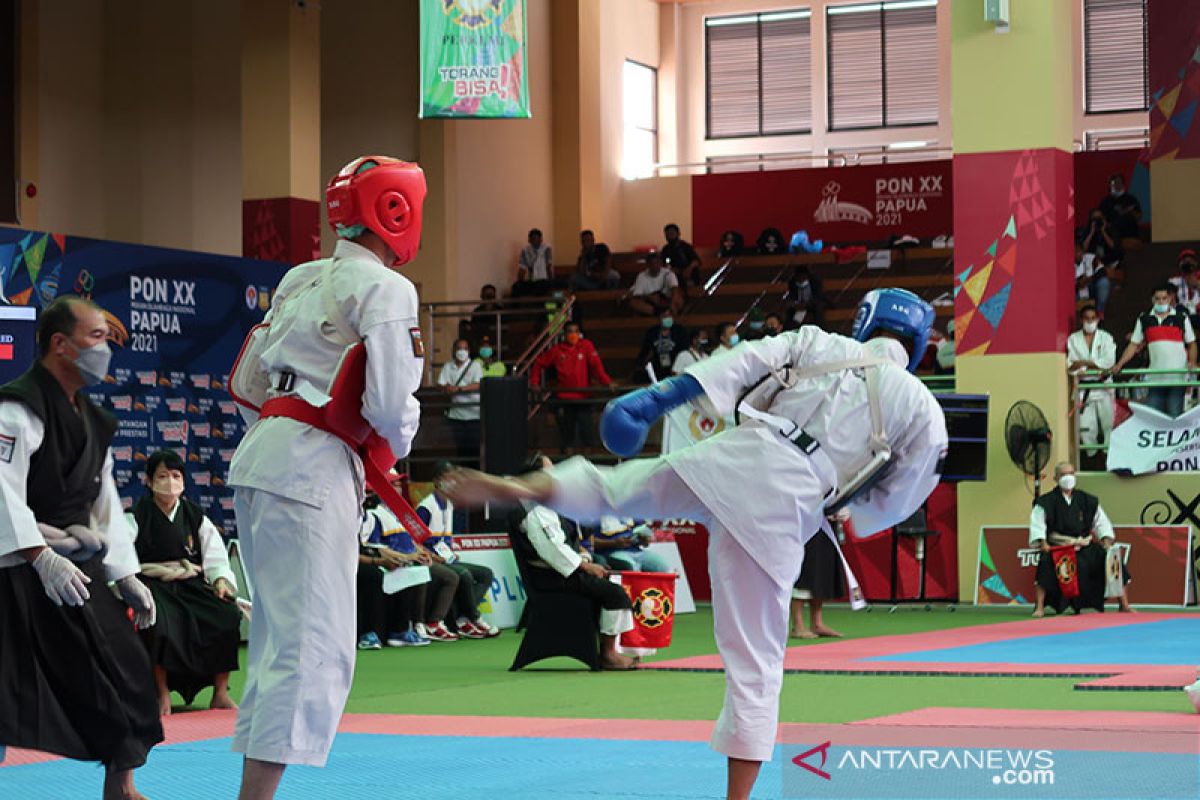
[(898, 311)]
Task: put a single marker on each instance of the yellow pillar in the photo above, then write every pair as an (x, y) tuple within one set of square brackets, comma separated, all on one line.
[(1013, 239), (281, 135)]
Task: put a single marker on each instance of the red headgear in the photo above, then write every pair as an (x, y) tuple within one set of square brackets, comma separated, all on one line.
[(386, 198)]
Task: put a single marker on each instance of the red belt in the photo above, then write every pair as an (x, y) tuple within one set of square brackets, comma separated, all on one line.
[(376, 455)]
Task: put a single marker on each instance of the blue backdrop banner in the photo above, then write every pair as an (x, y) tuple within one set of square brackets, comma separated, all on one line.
[(176, 320)]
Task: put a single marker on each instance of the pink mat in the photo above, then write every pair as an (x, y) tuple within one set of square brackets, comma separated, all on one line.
[(933, 727), (849, 655)]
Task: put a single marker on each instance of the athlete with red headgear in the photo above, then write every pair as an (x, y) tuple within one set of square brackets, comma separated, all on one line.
[(298, 485)]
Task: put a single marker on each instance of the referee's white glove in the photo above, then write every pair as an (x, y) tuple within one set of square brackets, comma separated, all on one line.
[(138, 597), (63, 581)]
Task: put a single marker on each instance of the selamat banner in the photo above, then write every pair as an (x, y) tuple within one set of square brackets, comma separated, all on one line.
[(1149, 441), (473, 60)]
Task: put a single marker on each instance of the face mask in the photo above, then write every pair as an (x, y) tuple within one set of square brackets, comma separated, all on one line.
[(573, 338), (1162, 308), (773, 331), (169, 485), (1115, 192), (702, 344), (1090, 327), (92, 362), (756, 326), (461, 355), (734, 340), (1066, 483), (667, 322), (485, 352)]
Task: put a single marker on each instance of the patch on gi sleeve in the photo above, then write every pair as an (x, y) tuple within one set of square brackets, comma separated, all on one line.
[(418, 344), (7, 445)]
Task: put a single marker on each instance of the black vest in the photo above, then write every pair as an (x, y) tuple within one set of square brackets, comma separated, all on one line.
[(159, 539), (64, 473), (1076, 519)]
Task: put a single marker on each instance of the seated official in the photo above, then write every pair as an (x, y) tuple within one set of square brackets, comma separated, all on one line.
[(556, 562), (194, 643), (623, 544), (380, 615), (474, 580), (821, 578), (1069, 516)]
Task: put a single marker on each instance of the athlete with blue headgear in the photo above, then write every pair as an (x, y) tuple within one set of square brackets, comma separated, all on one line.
[(826, 422)]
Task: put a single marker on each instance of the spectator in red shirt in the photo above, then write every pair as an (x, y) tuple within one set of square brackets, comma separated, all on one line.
[(576, 365)]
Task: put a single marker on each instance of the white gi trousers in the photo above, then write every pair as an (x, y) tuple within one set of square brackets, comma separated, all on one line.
[(302, 561), (1096, 416), (750, 607)]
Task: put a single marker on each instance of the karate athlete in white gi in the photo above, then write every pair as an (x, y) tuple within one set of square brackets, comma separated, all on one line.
[(298, 489), (809, 435)]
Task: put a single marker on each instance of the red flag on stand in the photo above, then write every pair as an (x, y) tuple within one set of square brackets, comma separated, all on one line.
[(1066, 569), (653, 598)]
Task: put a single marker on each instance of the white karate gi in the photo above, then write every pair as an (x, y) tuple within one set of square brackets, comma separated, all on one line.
[(298, 499), (1096, 411), (18, 528), (762, 498)]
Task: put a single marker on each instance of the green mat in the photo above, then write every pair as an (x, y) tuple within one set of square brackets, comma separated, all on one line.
[(471, 677)]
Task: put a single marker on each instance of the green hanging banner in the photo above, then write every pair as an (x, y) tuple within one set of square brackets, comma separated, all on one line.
[(473, 59)]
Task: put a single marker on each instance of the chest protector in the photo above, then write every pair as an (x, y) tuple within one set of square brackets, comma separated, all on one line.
[(341, 416)]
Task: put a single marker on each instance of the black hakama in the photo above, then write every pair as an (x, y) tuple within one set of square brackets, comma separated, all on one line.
[(74, 681), (821, 574)]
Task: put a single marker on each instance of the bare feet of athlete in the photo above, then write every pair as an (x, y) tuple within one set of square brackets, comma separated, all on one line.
[(802, 633), (821, 630), (1039, 612), (118, 785), (222, 700), (164, 705)]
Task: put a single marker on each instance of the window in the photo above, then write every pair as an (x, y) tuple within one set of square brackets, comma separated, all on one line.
[(640, 119), (1114, 56), (759, 74), (883, 64)]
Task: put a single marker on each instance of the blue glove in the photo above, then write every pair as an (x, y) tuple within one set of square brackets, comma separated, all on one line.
[(627, 419)]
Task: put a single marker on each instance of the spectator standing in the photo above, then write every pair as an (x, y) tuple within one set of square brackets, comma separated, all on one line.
[(655, 289), (680, 257), (1166, 332), (460, 379), (1100, 240), (697, 351), (660, 345), (1091, 279), (1121, 209), (535, 267), (1187, 284), (577, 366), (1091, 348), (484, 319)]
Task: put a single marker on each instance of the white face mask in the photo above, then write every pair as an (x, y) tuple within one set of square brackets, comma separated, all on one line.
[(168, 485), (1090, 327), (1066, 482), (461, 355)]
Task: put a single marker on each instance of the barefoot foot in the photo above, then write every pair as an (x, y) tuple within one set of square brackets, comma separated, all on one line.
[(618, 662), (822, 630), (802, 633), (222, 700)]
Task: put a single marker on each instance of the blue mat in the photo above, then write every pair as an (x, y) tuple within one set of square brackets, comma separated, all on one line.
[(462, 768), (1167, 642)]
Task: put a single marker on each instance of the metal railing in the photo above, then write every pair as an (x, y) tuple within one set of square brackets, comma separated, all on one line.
[(761, 162), (1102, 381)]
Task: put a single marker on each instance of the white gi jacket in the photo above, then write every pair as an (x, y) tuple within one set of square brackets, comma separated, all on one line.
[(1101, 527), (1103, 352), (291, 459), (833, 409), (213, 556), (18, 528)]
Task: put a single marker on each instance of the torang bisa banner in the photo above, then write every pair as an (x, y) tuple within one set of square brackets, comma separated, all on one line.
[(473, 60)]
